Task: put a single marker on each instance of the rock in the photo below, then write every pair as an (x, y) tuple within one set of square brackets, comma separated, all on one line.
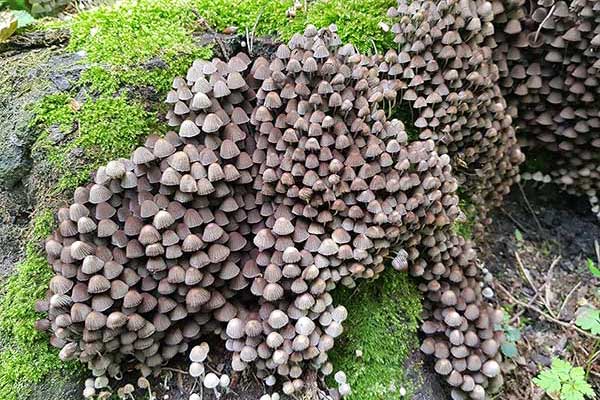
[(26, 78)]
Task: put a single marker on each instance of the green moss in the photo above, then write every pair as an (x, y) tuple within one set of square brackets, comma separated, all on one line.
[(106, 128), (135, 31), (55, 109), (27, 356), (465, 228), (357, 22), (129, 31), (109, 79), (383, 317)]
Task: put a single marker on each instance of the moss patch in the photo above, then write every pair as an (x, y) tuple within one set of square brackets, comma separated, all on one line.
[(137, 30), (383, 318), (101, 129), (465, 228), (28, 357)]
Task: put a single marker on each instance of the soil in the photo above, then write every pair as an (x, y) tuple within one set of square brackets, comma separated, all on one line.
[(543, 265)]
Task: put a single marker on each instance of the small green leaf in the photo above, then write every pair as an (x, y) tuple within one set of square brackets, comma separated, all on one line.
[(593, 268), (509, 349), (512, 334), (564, 379), (547, 381), (561, 369), (518, 235), (583, 387), (569, 393), (589, 319)]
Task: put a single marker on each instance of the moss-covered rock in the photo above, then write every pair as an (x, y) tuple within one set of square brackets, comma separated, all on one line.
[(25, 79)]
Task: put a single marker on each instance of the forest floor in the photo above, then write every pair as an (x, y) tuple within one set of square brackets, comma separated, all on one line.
[(538, 249)]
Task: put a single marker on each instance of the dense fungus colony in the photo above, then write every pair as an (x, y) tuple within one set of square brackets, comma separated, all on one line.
[(451, 82), (549, 59), (284, 180)]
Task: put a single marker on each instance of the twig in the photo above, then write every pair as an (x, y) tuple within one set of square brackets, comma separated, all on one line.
[(175, 370), (537, 222), (539, 29), (523, 271), (520, 312), (597, 247), (567, 299), (593, 355), (519, 225), (250, 37), (203, 22), (212, 369), (547, 285), (564, 324), (374, 46)]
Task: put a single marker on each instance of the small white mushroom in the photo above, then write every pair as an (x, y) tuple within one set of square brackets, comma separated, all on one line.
[(196, 369), (270, 380), (340, 377), (224, 381), (101, 382), (88, 392), (344, 389), (211, 381), (199, 353)]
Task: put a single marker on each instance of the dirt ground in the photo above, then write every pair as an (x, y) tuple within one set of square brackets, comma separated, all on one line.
[(542, 280)]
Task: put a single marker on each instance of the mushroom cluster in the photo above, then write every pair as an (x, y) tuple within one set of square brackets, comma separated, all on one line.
[(285, 179), (148, 257), (548, 56), (449, 78)]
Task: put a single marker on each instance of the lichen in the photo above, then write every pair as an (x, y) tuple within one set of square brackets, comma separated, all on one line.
[(383, 318)]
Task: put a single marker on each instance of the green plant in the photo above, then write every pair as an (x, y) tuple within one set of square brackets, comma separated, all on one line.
[(511, 336), (589, 319), (593, 267), (565, 381), (518, 235)]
